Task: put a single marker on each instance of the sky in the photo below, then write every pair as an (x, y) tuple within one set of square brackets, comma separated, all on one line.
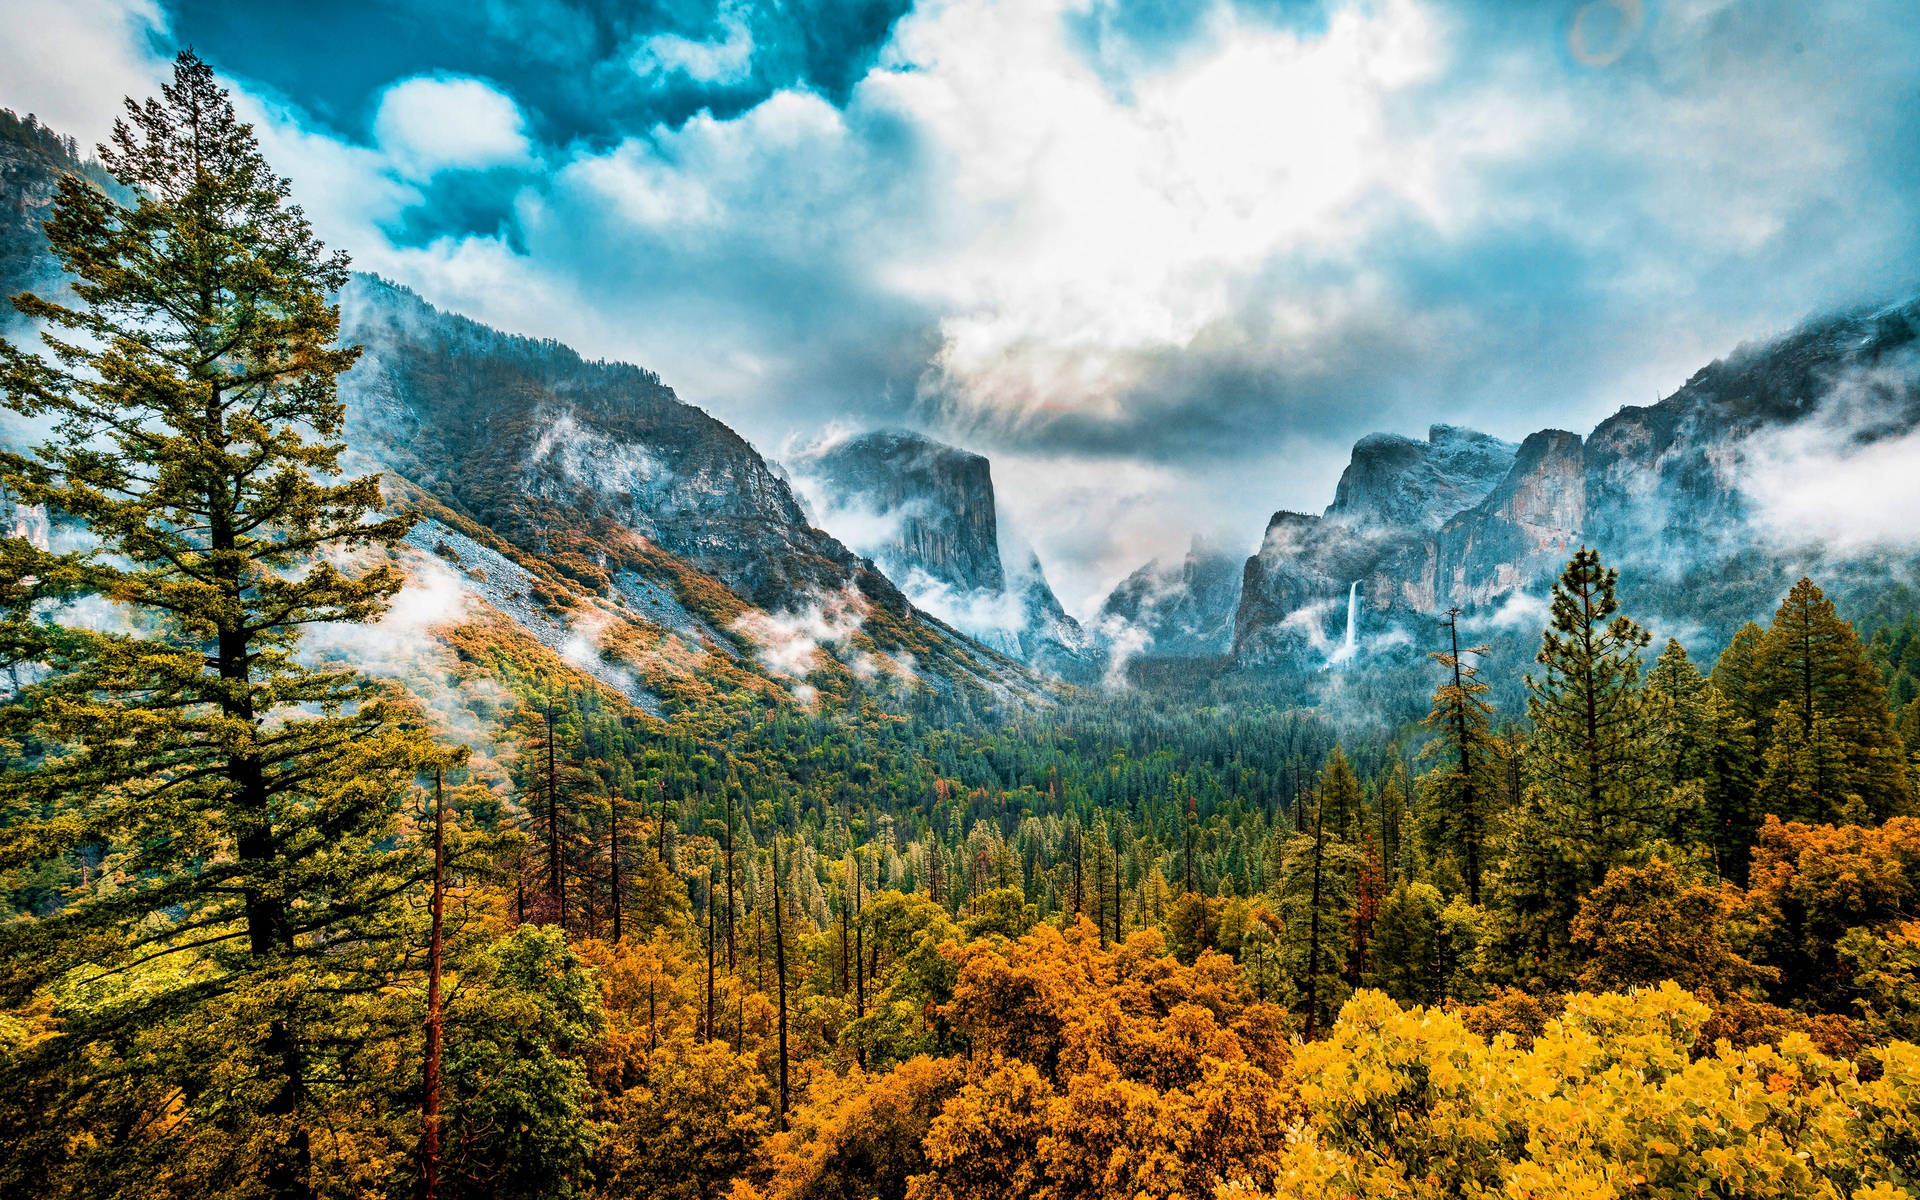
[(1163, 262)]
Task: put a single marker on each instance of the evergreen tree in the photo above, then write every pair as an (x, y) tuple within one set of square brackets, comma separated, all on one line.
[(1406, 945), (1730, 810), (1812, 661), (1676, 694), (1737, 675), (1316, 898), (246, 801), (1595, 755), (1395, 829), (1339, 797), (1457, 798)]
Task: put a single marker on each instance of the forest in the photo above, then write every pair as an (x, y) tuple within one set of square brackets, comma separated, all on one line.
[(272, 926)]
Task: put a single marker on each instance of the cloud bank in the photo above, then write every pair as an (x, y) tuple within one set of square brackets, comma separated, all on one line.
[(1163, 263)]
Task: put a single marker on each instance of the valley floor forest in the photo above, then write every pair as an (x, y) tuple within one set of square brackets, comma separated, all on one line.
[(274, 926)]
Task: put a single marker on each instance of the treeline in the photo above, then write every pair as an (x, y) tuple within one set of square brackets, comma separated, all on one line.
[(265, 934)]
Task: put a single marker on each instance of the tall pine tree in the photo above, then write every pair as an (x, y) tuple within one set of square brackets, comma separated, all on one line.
[(1457, 797), (1595, 754), (1835, 724), (244, 800)]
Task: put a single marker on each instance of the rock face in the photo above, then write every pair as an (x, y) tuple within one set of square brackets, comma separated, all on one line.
[(1526, 526), (32, 159), (1185, 609), (925, 513), (1666, 490), (929, 506), (529, 439), (1398, 483), (1380, 532)]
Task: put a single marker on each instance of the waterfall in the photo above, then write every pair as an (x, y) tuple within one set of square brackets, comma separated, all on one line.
[(1353, 617)]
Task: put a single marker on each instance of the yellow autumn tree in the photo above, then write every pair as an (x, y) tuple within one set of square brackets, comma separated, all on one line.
[(1610, 1101), (1105, 1071)]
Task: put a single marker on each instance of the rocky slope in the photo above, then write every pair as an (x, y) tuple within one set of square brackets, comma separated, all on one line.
[(915, 503), (925, 514), (1668, 491), (1379, 532), (579, 508), (32, 158), (631, 494), (534, 442), (1182, 609)]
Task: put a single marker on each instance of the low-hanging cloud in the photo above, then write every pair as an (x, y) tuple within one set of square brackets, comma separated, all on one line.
[(790, 642), (1845, 477)]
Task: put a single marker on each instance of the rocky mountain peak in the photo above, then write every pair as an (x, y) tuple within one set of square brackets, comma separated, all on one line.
[(919, 504), (1184, 608), (925, 513), (1405, 483)]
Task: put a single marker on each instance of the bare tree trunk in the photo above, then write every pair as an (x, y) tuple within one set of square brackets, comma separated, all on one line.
[(556, 868), (430, 1099), (780, 972), (613, 864)]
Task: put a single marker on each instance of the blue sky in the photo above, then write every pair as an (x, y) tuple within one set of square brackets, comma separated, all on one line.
[(1163, 262)]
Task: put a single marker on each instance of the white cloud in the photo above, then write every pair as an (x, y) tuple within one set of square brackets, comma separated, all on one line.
[(432, 123), (727, 60), (1519, 610), (1072, 246), (1087, 227), (69, 62), (1835, 480), (347, 191)]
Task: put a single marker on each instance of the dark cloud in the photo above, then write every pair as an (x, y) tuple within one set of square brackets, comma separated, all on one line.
[(570, 64)]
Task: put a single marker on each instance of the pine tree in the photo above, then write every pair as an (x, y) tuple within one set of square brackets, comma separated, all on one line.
[(1677, 700), (1457, 798), (1595, 755), (1730, 811), (1805, 771), (1406, 962), (1676, 694), (247, 799), (1737, 675), (1316, 896), (1812, 661), (1338, 795), (1394, 827)]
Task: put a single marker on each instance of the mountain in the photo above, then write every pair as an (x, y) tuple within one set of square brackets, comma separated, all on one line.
[(929, 506), (542, 446), (577, 510), (1681, 494), (924, 512), (1181, 609), (1399, 482), (1377, 537), (32, 159), (633, 495)]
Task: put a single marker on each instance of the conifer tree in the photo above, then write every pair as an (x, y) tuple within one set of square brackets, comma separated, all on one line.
[(1457, 798), (1812, 661), (1394, 828), (1730, 811), (1406, 962), (1595, 755), (246, 799), (1737, 675), (1676, 694), (1338, 795), (1316, 896)]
